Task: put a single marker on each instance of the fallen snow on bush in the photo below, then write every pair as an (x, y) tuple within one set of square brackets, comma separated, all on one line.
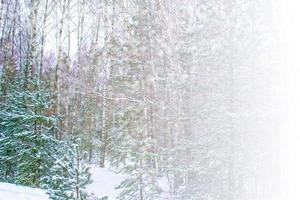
[(16, 192)]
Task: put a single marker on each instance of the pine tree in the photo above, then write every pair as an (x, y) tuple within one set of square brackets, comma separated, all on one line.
[(28, 140), (69, 174), (30, 154)]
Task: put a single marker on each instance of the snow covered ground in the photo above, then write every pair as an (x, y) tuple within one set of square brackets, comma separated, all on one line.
[(16, 192), (104, 182)]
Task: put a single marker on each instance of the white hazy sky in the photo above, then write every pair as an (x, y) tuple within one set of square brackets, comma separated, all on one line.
[(289, 75)]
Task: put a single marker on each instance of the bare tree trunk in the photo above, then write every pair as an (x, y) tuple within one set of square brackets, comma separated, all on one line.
[(77, 174), (58, 65), (8, 25), (103, 126), (4, 83), (5, 19), (106, 91), (78, 96), (68, 86), (1, 11), (141, 189), (43, 40), (30, 63)]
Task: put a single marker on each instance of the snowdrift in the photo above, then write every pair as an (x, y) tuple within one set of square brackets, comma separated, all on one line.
[(104, 182), (16, 192)]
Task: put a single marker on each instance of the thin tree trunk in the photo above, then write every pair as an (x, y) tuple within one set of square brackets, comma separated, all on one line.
[(1, 11), (4, 21), (32, 39), (103, 127), (58, 65), (109, 41), (141, 189), (77, 175), (43, 40)]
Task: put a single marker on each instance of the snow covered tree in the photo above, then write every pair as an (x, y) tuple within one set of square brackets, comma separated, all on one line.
[(69, 174), (28, 140), (30, 153)]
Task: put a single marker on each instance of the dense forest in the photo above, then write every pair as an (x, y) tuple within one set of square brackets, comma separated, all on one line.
[(147, 88)]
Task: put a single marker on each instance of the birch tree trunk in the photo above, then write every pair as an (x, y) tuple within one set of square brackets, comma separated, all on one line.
[(30, 62), (58, 63), (43, 38)]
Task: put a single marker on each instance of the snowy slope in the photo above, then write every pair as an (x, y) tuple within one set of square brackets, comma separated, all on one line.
[(104, 182), (16, 192)]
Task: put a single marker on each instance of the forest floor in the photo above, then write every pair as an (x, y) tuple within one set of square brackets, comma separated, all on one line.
[(104, 182), (16, 192)]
